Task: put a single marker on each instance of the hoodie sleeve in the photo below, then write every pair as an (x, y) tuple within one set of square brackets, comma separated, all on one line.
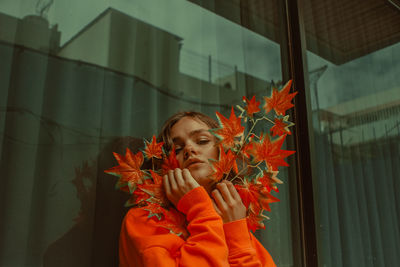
[(143, 243), (244, 248)]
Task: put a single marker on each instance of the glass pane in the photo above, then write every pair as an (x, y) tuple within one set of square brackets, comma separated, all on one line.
[(82, 79), (354, 65)]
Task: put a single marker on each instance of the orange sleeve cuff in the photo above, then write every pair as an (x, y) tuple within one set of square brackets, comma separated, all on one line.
[(195, 199), (237, 235)]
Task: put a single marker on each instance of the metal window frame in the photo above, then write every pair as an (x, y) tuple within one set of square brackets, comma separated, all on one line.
[(294, 66)]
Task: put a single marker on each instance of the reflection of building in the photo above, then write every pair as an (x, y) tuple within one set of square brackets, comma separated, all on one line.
[(127, 45), (31, 31), (229, 81), (242, 81), (363, 119), (130, 46), (124, 44)]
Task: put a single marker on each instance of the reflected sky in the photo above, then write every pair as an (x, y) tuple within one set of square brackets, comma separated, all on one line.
[(367, 75)]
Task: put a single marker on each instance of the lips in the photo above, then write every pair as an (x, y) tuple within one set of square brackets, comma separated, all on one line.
[(190, 162)]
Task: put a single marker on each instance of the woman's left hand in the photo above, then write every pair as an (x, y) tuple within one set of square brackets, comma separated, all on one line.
[(228, 203)]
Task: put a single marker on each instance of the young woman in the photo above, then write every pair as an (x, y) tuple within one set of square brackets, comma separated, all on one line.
[(218, 233)]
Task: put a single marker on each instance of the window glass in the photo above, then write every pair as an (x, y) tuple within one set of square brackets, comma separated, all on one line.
[(353, 62), (82, 79)]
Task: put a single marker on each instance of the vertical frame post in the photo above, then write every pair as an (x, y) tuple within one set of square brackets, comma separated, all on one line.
[(294, 66)]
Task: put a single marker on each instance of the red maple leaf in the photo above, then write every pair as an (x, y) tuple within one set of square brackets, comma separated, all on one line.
[(266, 199), (226, 162), (255, 221), (256, 199), (271, 152), (138, 196), (255, 196), (155, 191), (281, 126), (247, 147), (230, 128), (170, 162), (153, 149), (255, 217), (155, 209), (280, 100), (128, 170), (249, 193), (157, 179), (268, 180), (252, 106), (175, 222)]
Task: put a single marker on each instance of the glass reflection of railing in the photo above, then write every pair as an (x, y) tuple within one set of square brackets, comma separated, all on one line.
[(206, 67), (361, 127)]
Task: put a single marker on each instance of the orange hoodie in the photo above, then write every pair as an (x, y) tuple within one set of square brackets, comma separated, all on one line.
[(211, 243)]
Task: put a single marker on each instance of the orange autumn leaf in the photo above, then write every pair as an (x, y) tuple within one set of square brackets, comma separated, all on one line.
[(271, 152), (280, 101), (157, 179), (247, 148), (255, 217), (255, 221), (249, 193), (153, 149), (225, 163), (128, 170), (267, 199), (155, 209), (175, 222), (230, 128), (137, 197), (256, 199), (170, 162), (281, 126), (269, 180), (252, 106), (155, 190)]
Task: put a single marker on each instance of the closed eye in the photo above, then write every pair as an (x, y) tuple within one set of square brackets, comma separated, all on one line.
[(203, 141)]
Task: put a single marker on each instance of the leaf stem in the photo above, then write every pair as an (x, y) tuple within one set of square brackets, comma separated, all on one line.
[(240, 178), (248, 134), (242, 170), (269, 120)]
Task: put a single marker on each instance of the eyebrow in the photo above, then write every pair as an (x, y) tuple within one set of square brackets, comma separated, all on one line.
[(192, 133)]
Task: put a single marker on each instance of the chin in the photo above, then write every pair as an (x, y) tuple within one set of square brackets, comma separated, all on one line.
[(201, 175)]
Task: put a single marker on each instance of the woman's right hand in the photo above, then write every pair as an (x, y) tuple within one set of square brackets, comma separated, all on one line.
[(177, 183)]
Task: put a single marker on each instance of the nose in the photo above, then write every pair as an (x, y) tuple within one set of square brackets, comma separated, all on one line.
[(188, 151)]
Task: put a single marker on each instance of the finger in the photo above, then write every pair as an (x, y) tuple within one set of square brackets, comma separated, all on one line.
[(187, 176), (216, 208), (167, 186), (233, 191), (178, 178), (226, 194), (218, 199), (172, 182)]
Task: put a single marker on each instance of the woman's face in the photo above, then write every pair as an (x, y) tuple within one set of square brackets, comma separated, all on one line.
[(194, 145)]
